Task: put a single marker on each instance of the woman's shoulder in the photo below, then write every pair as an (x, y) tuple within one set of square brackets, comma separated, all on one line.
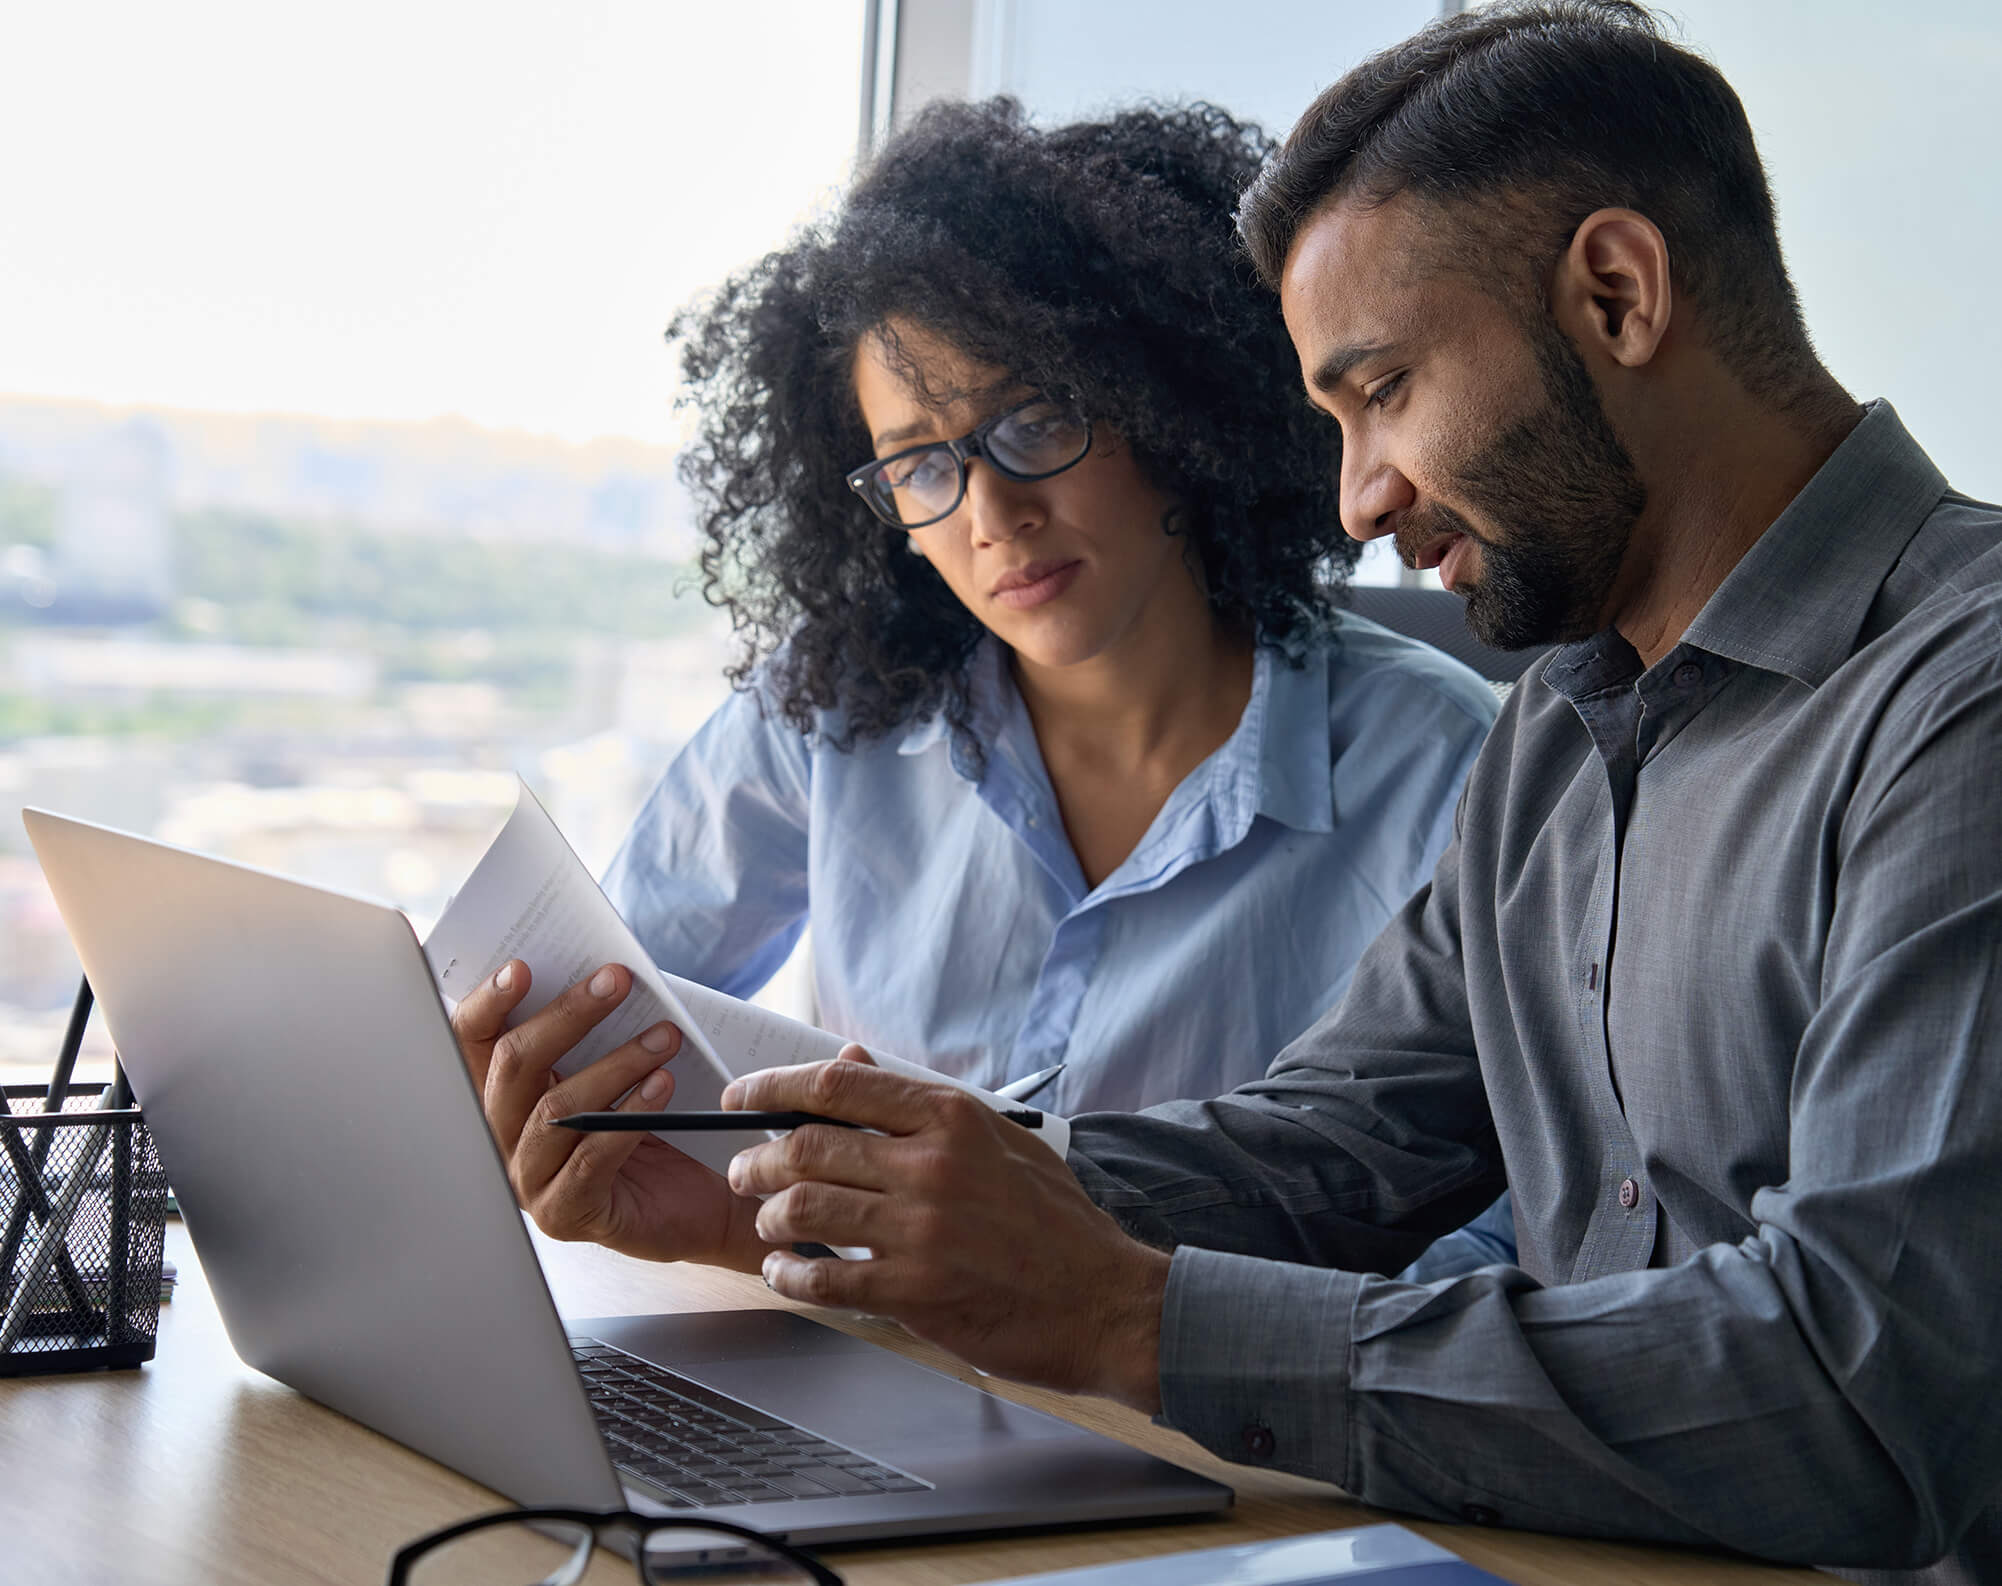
[(758, 733), (767, 701), (1372, 667)]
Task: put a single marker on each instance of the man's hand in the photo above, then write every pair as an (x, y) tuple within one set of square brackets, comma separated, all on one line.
[(984, 1242), (632, 1192)]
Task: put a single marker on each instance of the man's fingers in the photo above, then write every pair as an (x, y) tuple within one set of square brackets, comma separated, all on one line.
[(855, 1091), (828, 1214), (836, 1284), (822, 1153)]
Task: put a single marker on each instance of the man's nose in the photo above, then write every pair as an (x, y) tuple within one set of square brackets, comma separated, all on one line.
[(1001, 508), (1374, 492)]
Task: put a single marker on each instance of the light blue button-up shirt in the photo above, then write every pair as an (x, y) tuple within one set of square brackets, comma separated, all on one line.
[(953, 925)]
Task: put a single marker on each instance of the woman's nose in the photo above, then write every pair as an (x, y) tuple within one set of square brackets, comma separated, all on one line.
[(1000, 508)]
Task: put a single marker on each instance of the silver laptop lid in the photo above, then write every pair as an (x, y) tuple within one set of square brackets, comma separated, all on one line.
[(331, 1161)]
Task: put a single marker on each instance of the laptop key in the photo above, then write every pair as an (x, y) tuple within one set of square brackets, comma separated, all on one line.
[(711, 1449), (706, 1495), (844, 1482), (799, 1485)]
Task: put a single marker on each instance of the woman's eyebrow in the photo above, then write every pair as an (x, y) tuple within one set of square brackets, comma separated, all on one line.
[(920, 427), (897, 437)]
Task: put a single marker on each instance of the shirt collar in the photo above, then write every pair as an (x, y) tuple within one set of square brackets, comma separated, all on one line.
[(1275, 763), (990, 700), (1285, 732), (1797, 599)]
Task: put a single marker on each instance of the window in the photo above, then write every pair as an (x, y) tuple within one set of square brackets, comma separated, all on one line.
[(336, 457)]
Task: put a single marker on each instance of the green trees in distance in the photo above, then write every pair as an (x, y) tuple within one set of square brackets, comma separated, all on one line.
[(429, 609), (268, 574)]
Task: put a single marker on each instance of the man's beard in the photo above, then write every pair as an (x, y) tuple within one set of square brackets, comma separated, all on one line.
[(1560, 496)]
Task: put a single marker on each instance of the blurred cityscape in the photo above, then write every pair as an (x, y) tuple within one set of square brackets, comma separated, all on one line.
[(328, 649)]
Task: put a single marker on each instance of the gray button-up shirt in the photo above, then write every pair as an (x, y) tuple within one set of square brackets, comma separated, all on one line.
[(1712, 977)]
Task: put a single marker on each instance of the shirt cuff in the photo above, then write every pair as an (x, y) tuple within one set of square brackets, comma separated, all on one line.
[(1255, 1360)]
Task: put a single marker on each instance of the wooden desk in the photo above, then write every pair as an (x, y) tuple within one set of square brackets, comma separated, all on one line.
[(197, 1471)]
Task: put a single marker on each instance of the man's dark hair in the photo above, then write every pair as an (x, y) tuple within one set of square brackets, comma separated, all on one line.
[(1098, 260), (1524, 118)]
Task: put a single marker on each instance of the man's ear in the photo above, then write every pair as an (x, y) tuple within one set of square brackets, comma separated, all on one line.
[(1611, 293)]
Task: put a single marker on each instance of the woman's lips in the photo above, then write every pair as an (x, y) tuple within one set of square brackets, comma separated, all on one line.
[(1035, 584)]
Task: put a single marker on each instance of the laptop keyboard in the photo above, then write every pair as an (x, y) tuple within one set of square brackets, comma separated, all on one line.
[(703, 1449)]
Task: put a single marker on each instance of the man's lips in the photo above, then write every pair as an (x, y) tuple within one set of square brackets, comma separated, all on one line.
[(1022, 587), (1453, 565), (1447, 552)]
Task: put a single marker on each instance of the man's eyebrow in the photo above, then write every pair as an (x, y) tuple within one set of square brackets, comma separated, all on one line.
[(1334, 369)]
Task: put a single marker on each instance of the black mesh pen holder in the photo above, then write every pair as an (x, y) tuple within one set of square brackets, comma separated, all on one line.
[(83, 1209)]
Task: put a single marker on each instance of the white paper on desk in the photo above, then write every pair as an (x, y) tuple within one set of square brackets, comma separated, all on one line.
[(531, 898), (1371, 1555)]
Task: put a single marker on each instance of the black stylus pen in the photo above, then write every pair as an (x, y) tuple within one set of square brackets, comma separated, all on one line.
[(628, 1122)]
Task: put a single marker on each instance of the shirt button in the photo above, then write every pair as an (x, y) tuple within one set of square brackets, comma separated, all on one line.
[(1258, 1441), (1688, 675), (1480, 1514), (1630, 1194)]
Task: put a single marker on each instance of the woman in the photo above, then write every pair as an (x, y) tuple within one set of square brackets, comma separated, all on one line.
[(1047, 724)]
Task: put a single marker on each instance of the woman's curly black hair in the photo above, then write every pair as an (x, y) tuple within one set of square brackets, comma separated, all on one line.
[(1099, 260)]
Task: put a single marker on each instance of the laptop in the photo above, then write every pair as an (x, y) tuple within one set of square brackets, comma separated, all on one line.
[(353, 1217)]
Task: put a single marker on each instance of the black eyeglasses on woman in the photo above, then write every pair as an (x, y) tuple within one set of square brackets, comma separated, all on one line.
[(922, 484)]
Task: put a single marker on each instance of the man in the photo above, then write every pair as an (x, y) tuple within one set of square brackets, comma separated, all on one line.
[(1709, 976)]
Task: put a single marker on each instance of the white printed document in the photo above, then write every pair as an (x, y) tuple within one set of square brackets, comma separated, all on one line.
[(531, 898), (1370, 1555)]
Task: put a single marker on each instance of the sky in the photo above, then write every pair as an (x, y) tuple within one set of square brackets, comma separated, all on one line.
[(1875, 121), (401, 210), (431, 207)]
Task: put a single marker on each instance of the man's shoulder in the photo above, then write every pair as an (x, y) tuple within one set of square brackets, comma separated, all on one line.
[(1957, 551), (1939, 611)]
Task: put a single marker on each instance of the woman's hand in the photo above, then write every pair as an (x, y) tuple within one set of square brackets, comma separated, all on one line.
[(984, 1242), (631, 1192)]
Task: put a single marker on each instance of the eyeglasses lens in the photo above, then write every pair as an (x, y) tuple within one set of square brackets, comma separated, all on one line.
[(555, 1554), (1032, 442), (687, 1554), (917, 488), (520, 1555), (1040, 439)]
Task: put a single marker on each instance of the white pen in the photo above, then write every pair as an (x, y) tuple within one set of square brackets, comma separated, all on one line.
[(1029, 1084)]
